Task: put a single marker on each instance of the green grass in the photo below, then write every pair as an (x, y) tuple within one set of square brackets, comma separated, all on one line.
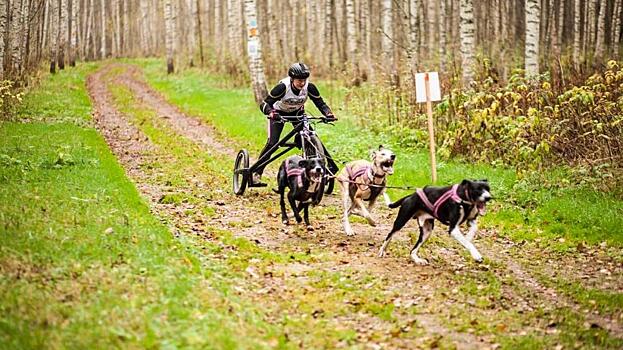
[(539, 206), (83, 262)]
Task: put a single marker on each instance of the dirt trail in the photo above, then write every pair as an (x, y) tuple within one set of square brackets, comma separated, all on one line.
[(410, 284)]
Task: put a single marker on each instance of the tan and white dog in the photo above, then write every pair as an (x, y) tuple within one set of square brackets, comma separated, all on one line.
[(355, 181)]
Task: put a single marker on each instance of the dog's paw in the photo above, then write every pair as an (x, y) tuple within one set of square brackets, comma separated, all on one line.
[(419, 261), (478, 258), (285, 222), (350, 233), (310, 228), (381, 253), (299, 220)]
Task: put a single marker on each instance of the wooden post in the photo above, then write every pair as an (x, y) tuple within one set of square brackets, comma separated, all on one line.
[(431, 130)]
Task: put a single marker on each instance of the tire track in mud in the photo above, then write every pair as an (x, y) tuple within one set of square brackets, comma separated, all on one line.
[(358, 253)]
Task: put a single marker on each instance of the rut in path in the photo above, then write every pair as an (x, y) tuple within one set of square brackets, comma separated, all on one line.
[(356, 251)]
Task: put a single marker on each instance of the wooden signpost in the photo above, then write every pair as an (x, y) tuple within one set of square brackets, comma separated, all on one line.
[(427, 90)]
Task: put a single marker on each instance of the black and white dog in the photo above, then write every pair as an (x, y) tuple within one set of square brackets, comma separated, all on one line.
[(303, 177), (452, 205)]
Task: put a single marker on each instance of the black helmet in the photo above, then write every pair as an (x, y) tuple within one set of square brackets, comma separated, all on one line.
[(298, 71)]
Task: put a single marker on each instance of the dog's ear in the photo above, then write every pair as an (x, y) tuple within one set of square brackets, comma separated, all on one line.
[(465, 182), (484, 180), (373, 155), (381, 147)]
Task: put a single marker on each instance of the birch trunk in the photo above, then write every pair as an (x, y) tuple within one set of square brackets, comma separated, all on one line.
[(52, 32), (590, 26), (103, 52), (467, 28), (412, 53), (126, 38), (254, 52), (532, 38), (4, 19), (73, 15), (386, 43), (351, 36), (169, 34), (117, 23), (199, 31), (600, 41), (442, 34), (15, 42), (617, 26), (62, 34), (576, 34)]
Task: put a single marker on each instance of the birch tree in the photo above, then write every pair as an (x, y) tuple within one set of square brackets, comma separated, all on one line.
[(103, 52), (254, 51), (532, 38), (14, 40), (4, 21), (576, 33), (169, 34), (52, 32), (442, 34), (600, 40), (351, 36), (413, 37), (467, 29), (72, 31), (386, 43)]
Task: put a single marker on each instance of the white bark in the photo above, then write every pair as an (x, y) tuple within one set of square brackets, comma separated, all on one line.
[(576, 33), (125, 39), (169, 19), (192, 34), (145, 44), (467, 28), (351, 34), (532, 38), (4, 19), (52, 32), (388, 35), (617, 25), (103, 52), (442, 34), (117, 30), (254, 51), (73, 31), (15, 40), (600, 41), (413, 34)]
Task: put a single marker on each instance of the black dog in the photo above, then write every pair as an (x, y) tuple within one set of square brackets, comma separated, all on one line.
[(304, 178), (452, 205)]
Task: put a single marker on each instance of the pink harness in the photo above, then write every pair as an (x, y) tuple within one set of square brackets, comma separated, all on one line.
[(298, 172), (450, 194)]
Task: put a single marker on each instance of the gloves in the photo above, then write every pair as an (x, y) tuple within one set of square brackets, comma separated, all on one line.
[(330, 117), (273, 115)]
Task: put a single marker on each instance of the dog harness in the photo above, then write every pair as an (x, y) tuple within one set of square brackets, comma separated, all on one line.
[(450, 194), (298, 172), (360, 172)]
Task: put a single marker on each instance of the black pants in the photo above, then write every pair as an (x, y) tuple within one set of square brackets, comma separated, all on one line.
[(274, 133)]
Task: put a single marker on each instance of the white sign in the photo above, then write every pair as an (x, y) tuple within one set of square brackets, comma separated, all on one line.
[(420, 86), (252, 48)]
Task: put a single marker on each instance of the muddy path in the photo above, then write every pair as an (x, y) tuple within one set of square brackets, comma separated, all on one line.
[(444, 312)]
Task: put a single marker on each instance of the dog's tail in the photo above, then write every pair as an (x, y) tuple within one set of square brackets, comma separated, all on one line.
[(397, 203)]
